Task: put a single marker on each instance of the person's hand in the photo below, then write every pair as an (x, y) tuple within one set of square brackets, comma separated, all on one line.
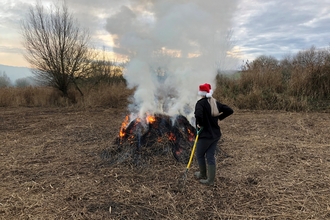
[(199, 129)]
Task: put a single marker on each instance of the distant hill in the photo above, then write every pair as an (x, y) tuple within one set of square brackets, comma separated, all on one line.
[(15, 73)]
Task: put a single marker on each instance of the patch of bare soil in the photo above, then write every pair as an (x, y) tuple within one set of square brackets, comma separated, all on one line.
[(51, 168)]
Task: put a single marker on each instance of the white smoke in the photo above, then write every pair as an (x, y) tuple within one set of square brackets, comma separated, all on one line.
[(173, 46)]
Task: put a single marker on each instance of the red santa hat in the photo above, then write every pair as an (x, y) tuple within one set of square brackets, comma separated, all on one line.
[(205, 90)]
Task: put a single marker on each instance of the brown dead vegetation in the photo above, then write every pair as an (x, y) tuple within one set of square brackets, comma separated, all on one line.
[(51, 169)]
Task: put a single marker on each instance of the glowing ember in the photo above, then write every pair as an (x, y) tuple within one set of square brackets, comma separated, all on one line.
[(179, 151), (191, 135), (171, 137)]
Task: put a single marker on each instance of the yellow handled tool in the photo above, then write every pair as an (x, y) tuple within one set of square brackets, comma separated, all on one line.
[(191, 155)]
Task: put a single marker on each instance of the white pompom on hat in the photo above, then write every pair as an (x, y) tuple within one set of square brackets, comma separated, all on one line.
[(205, 90)]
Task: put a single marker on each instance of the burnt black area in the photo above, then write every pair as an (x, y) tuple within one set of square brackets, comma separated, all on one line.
[(142, 140)]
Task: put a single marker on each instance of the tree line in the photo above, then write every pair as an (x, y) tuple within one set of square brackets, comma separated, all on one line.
[(297, 82)]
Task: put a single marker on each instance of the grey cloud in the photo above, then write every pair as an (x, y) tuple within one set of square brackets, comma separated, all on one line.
[(284, 24), (13, 14), (86, 12), (96, 4), (5, 49), (279, 27)]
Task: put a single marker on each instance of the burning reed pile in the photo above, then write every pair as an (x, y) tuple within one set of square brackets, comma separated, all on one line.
[(141, 139)]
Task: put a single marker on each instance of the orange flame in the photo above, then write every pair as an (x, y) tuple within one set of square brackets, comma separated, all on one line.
[(150, 119), (123, 127)]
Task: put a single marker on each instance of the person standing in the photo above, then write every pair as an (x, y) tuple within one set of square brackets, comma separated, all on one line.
[(210, 133)]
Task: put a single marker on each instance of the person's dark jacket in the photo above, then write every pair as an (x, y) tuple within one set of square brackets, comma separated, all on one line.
[(211, 128)]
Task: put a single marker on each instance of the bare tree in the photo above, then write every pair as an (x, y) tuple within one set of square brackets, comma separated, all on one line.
[(24, 82), (4, 80), (57, 49)]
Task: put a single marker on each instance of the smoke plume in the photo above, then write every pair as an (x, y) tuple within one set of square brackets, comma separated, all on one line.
[(173, 46)]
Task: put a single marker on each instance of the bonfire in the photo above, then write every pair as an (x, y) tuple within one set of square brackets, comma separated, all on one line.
[(159, 134)]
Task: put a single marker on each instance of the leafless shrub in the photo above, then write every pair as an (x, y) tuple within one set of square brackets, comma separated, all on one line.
[(56, 47), (311, 74), (6, 97), (296, 83), (25, 82), (104, 95), (115, 95)]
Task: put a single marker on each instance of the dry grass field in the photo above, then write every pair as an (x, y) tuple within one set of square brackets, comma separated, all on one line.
[(279, 168)]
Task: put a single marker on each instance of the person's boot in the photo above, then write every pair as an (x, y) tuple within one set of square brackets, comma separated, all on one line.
[(210, 176), (201, 174)]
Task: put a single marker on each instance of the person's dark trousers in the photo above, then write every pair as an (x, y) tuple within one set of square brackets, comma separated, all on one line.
[(205, 148)]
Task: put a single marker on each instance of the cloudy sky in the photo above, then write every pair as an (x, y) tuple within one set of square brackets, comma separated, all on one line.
[(259, 27)]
